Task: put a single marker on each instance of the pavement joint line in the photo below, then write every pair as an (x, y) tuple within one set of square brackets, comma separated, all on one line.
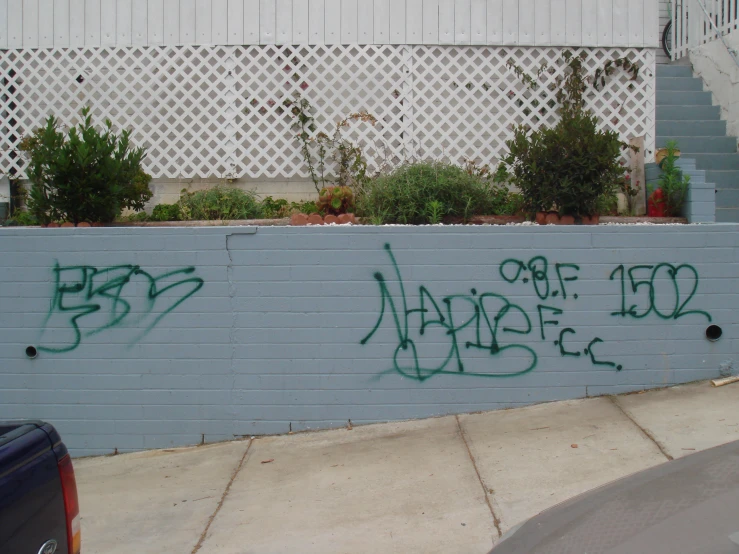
[(496, 521), (646, 433), (236, 471)]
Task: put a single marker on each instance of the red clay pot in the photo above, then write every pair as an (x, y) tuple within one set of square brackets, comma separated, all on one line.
[(315, 219), (566, 220), (347, 218), (330, 219), (541, 218), (299, 219), (53, 224), (552, 218), (67, 224), (84, 224), (590, 220)]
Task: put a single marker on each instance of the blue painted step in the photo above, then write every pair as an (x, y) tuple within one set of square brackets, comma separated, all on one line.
[(692, 128), (683, 113), (718, 162), (683, 98), (664, 70), (723, 179), (727, 215), (727, 197), (717, 145), (679, 83)]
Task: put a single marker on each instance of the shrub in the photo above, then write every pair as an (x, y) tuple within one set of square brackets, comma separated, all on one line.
[(87, 175), (673, 182), (219, 203), (275, 209), (568, 167), (572, 167), (423, 193), (21, 218), (166, 212), (336, 200)]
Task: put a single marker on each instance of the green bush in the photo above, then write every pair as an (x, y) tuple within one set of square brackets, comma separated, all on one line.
[(219, 203), (275, 209), (573, 167), (423, 193), (568, 167), (166, 212), (86, 175), (21, 218)]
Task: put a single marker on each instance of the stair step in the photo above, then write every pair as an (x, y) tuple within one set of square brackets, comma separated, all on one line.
[(727, 198), (682, 98), (723, 179), (680, 83), (690, 144), (687, 113), (727, 215), (693, 128), (717, 161), (669, 70)]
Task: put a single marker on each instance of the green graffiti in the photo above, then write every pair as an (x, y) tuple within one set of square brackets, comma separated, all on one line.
[(84, 290), (487, 331), (536, 271), (546, 282), (542, 323), (650, 284), (561, 343)]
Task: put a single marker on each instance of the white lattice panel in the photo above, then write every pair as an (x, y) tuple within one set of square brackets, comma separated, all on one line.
[(216, 111), (467, 100)]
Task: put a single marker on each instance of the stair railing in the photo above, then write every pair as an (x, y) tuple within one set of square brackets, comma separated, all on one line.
[(696, 22)]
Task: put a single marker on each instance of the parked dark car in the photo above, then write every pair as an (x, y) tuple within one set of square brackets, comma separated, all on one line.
[(39, 511), (687, 506)]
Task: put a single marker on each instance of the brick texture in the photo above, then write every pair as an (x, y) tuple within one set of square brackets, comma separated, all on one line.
[(156, 337)]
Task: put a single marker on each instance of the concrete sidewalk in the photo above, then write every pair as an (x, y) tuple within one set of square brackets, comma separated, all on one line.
[(447, 485)]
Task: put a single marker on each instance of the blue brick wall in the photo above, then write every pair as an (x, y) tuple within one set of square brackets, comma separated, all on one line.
[(191, 334)]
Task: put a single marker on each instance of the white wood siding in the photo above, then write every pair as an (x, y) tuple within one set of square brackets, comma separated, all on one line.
[(64, 23)]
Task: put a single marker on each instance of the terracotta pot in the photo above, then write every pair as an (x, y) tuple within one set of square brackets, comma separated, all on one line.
[(98, 224), (566, 220), (67, 224), (552, 218), (541, 218), (347, 218), (299, 219), (84, 224), (53, 224), (330, 219), (590, 220), (315, 219)]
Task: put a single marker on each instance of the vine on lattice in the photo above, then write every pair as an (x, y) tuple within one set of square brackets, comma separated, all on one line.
[(205, 111)]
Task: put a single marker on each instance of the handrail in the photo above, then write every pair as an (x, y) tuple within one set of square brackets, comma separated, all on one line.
[(720, 34)]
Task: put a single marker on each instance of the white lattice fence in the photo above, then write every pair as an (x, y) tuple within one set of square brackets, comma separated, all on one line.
[(216, 111)]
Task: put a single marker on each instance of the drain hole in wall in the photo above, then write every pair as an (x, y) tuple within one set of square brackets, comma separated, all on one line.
[(714, 332), (31, 352)]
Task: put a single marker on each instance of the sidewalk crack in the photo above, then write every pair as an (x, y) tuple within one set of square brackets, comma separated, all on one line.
[(496, 520), (646, 433), (204, 534)]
